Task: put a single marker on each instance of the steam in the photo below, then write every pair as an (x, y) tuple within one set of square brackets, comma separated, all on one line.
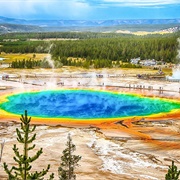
[(48, 58), (176, 69), (52, 83), (178, 56), (176, 72)]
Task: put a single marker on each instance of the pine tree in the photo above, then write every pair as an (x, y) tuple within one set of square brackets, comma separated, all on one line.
[(68, 162), (22, 171), (173, 173)]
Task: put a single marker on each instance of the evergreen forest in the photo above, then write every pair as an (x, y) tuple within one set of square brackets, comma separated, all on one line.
[(93, 48)]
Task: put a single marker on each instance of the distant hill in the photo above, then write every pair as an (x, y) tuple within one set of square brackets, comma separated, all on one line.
[(8, 28), (22, 25), (57, 23)]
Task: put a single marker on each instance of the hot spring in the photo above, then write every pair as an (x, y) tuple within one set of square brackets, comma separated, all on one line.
[(85, 104)]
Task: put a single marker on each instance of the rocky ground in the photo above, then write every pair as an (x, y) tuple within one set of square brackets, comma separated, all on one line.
[(105, 155)]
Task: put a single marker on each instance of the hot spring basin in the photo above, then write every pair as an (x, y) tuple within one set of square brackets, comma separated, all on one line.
[(85, 104)]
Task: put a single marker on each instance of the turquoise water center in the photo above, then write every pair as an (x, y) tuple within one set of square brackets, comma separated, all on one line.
[(85, 104)]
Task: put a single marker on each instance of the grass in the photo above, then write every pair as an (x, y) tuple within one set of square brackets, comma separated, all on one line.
[(167, 71), (16, 56)]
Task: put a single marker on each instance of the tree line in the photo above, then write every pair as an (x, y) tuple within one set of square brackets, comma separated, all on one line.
[(122, 48), (22, 64), (25, 36), (31, 64), (118, 49), (25, 47), (96, 63), (64, 61)]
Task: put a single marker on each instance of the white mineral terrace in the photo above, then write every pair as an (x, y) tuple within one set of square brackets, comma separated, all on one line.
[(54, 80)]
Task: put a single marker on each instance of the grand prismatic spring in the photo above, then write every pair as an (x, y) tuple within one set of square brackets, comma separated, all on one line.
[(108, 124), (107, 110), (86, 105)]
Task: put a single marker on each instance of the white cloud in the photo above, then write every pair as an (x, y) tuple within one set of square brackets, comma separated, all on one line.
[(16, 7), (140, 2), (53, 8), (132, 2), (70, 9)]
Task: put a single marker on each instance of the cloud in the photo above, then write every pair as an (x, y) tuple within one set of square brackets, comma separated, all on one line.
[(131, 2), (79, 9), (36, 8)]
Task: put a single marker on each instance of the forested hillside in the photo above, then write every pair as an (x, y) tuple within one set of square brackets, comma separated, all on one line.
[(66, 35), (118, 48), (94, 46)]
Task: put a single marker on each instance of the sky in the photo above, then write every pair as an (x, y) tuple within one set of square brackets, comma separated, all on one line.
[(90, 9)]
